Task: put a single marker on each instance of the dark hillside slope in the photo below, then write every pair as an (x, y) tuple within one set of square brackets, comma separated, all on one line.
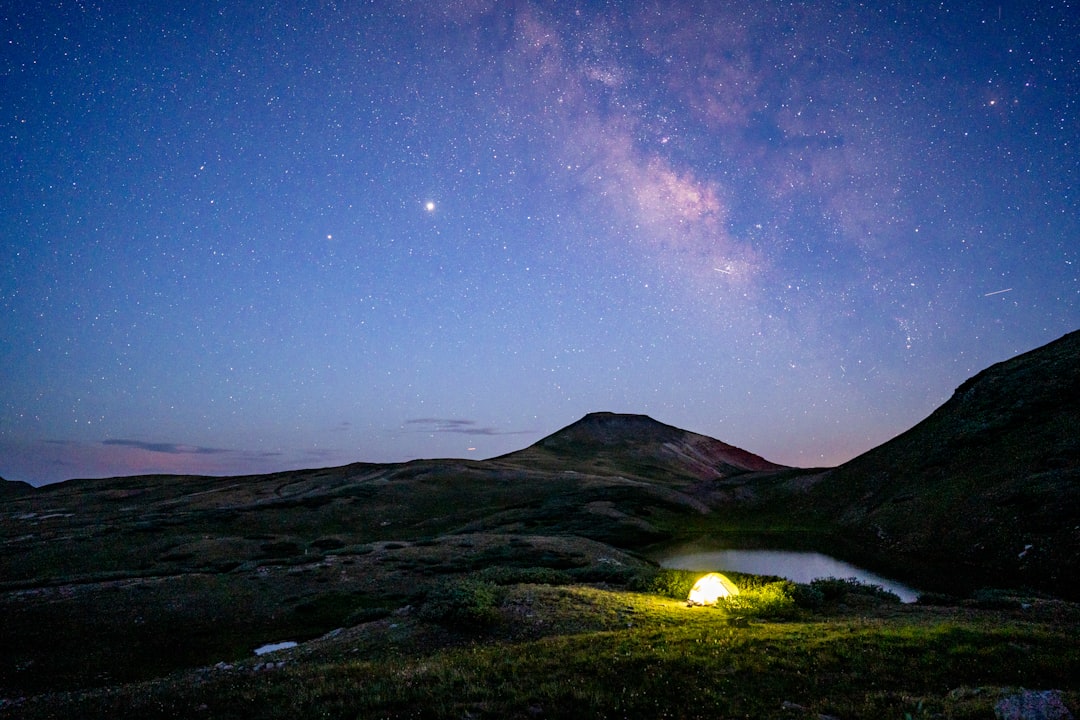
[(11, 488), (638, 446), (990, 482)]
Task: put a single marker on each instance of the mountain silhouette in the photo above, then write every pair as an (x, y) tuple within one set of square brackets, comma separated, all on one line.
[(637, 445)]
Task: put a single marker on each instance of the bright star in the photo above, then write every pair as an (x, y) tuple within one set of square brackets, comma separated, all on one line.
[(429, 206)]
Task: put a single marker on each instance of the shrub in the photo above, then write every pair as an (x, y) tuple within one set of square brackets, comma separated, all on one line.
[(807, 596), (674, 583), (835, 589), (996, 599), (750, 581), (774, 600), (938, 598), (463, 603)]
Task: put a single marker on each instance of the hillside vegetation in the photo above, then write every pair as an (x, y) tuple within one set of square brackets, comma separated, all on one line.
[(521, 586), (988, 486)]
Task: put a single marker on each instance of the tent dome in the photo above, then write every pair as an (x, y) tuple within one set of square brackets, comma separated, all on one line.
[(709, 588)]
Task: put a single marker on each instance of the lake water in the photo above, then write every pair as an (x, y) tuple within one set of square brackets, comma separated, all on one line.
[(801, 567)]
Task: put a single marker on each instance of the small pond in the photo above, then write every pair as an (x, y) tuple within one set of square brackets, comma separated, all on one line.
[(794, 565)]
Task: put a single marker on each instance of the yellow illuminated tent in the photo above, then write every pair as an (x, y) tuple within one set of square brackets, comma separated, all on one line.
[(709, 588)]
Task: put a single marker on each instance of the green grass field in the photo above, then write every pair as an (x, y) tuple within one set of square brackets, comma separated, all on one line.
[(574, 651)]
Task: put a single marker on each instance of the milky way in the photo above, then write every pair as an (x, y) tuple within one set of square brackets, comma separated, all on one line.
[(241, 239)]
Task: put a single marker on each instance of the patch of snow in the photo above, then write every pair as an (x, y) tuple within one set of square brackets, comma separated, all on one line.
[(273, 647)]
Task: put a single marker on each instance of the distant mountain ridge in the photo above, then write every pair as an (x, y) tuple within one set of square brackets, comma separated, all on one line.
[(988, 483)]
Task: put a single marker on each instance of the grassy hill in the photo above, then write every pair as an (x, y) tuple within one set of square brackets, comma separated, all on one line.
[(520, 586), (166, 572), (576, 651), (987, 487)]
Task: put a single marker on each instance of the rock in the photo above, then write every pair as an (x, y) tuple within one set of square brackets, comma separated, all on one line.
[(797, 708), (1032, 705)]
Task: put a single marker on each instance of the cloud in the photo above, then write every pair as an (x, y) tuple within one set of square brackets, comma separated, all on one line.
[(457, 426), (168, 448)]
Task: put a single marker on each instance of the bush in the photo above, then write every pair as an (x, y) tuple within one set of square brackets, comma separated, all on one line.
[(996, 599), (464, 603), (834, 589), (749, 581), (674, 583), (938, 598), (774, 600), (807, 596)]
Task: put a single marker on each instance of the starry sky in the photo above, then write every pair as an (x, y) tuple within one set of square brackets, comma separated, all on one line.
[(247, 237)]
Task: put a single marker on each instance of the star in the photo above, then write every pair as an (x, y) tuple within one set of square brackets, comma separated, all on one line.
[(430, 206)]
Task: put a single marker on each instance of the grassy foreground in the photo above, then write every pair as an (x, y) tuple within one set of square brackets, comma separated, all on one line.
[(560, 651)]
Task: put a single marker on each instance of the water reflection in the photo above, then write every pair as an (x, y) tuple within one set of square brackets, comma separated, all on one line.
[(794, 565)]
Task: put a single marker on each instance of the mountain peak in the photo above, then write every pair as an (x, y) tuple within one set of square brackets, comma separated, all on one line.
[(609, 428), (631, 444)]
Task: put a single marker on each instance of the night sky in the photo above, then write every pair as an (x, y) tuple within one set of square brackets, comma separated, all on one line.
[(240, 237)]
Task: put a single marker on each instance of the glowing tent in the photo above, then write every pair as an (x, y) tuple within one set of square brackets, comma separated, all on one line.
[(709, 588)]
